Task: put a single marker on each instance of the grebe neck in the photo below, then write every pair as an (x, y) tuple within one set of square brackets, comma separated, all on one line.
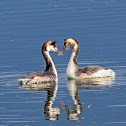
[(72, 65), (49, 63)]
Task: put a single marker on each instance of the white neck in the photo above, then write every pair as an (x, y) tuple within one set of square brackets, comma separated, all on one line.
[(49, 63), (53, 66), (72, 67)]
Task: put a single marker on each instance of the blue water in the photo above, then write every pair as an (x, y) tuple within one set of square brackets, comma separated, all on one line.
[(99, 27)]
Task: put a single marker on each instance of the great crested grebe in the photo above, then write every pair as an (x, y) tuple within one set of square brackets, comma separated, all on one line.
[(50, 73), (73, 71)]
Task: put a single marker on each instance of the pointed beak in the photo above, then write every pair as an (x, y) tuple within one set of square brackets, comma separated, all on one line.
[(56, 50), (59, 53), (62, 51)]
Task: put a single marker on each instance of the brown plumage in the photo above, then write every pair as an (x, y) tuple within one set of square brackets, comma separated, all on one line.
[(73, 71), (91, 69), (50, 73)]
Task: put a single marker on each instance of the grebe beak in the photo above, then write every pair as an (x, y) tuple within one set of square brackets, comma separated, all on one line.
[(62, 51), (56, 50)]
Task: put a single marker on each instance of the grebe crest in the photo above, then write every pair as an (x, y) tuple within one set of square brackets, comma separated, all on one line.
[(50, 73), (73, 71)]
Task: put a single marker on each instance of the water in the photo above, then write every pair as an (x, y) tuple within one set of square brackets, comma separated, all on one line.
[(100, 28)]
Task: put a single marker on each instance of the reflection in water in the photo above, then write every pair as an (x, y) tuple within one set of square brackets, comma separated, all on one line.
[(95, 83), (51, 112), (51, 88), (37, 87), (73, 85), (73, 111)]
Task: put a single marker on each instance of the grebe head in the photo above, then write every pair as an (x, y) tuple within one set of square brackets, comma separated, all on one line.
[(69, 43), (50, 46)]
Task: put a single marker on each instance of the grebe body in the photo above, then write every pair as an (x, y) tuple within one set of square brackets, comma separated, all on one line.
[(50, 73), (73, 71)]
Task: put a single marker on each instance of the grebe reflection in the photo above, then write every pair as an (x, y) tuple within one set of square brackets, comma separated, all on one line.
[(73, 111), (51, 113)]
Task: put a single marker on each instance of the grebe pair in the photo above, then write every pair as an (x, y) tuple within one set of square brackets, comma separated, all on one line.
[(50, 73)]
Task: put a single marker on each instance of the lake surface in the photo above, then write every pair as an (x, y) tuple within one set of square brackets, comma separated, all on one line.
[(100, 28)]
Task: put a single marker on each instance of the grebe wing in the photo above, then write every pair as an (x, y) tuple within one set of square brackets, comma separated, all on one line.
[(91, 69), (37, 74)]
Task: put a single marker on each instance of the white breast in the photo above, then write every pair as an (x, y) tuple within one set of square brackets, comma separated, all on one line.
[(70, 69)]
